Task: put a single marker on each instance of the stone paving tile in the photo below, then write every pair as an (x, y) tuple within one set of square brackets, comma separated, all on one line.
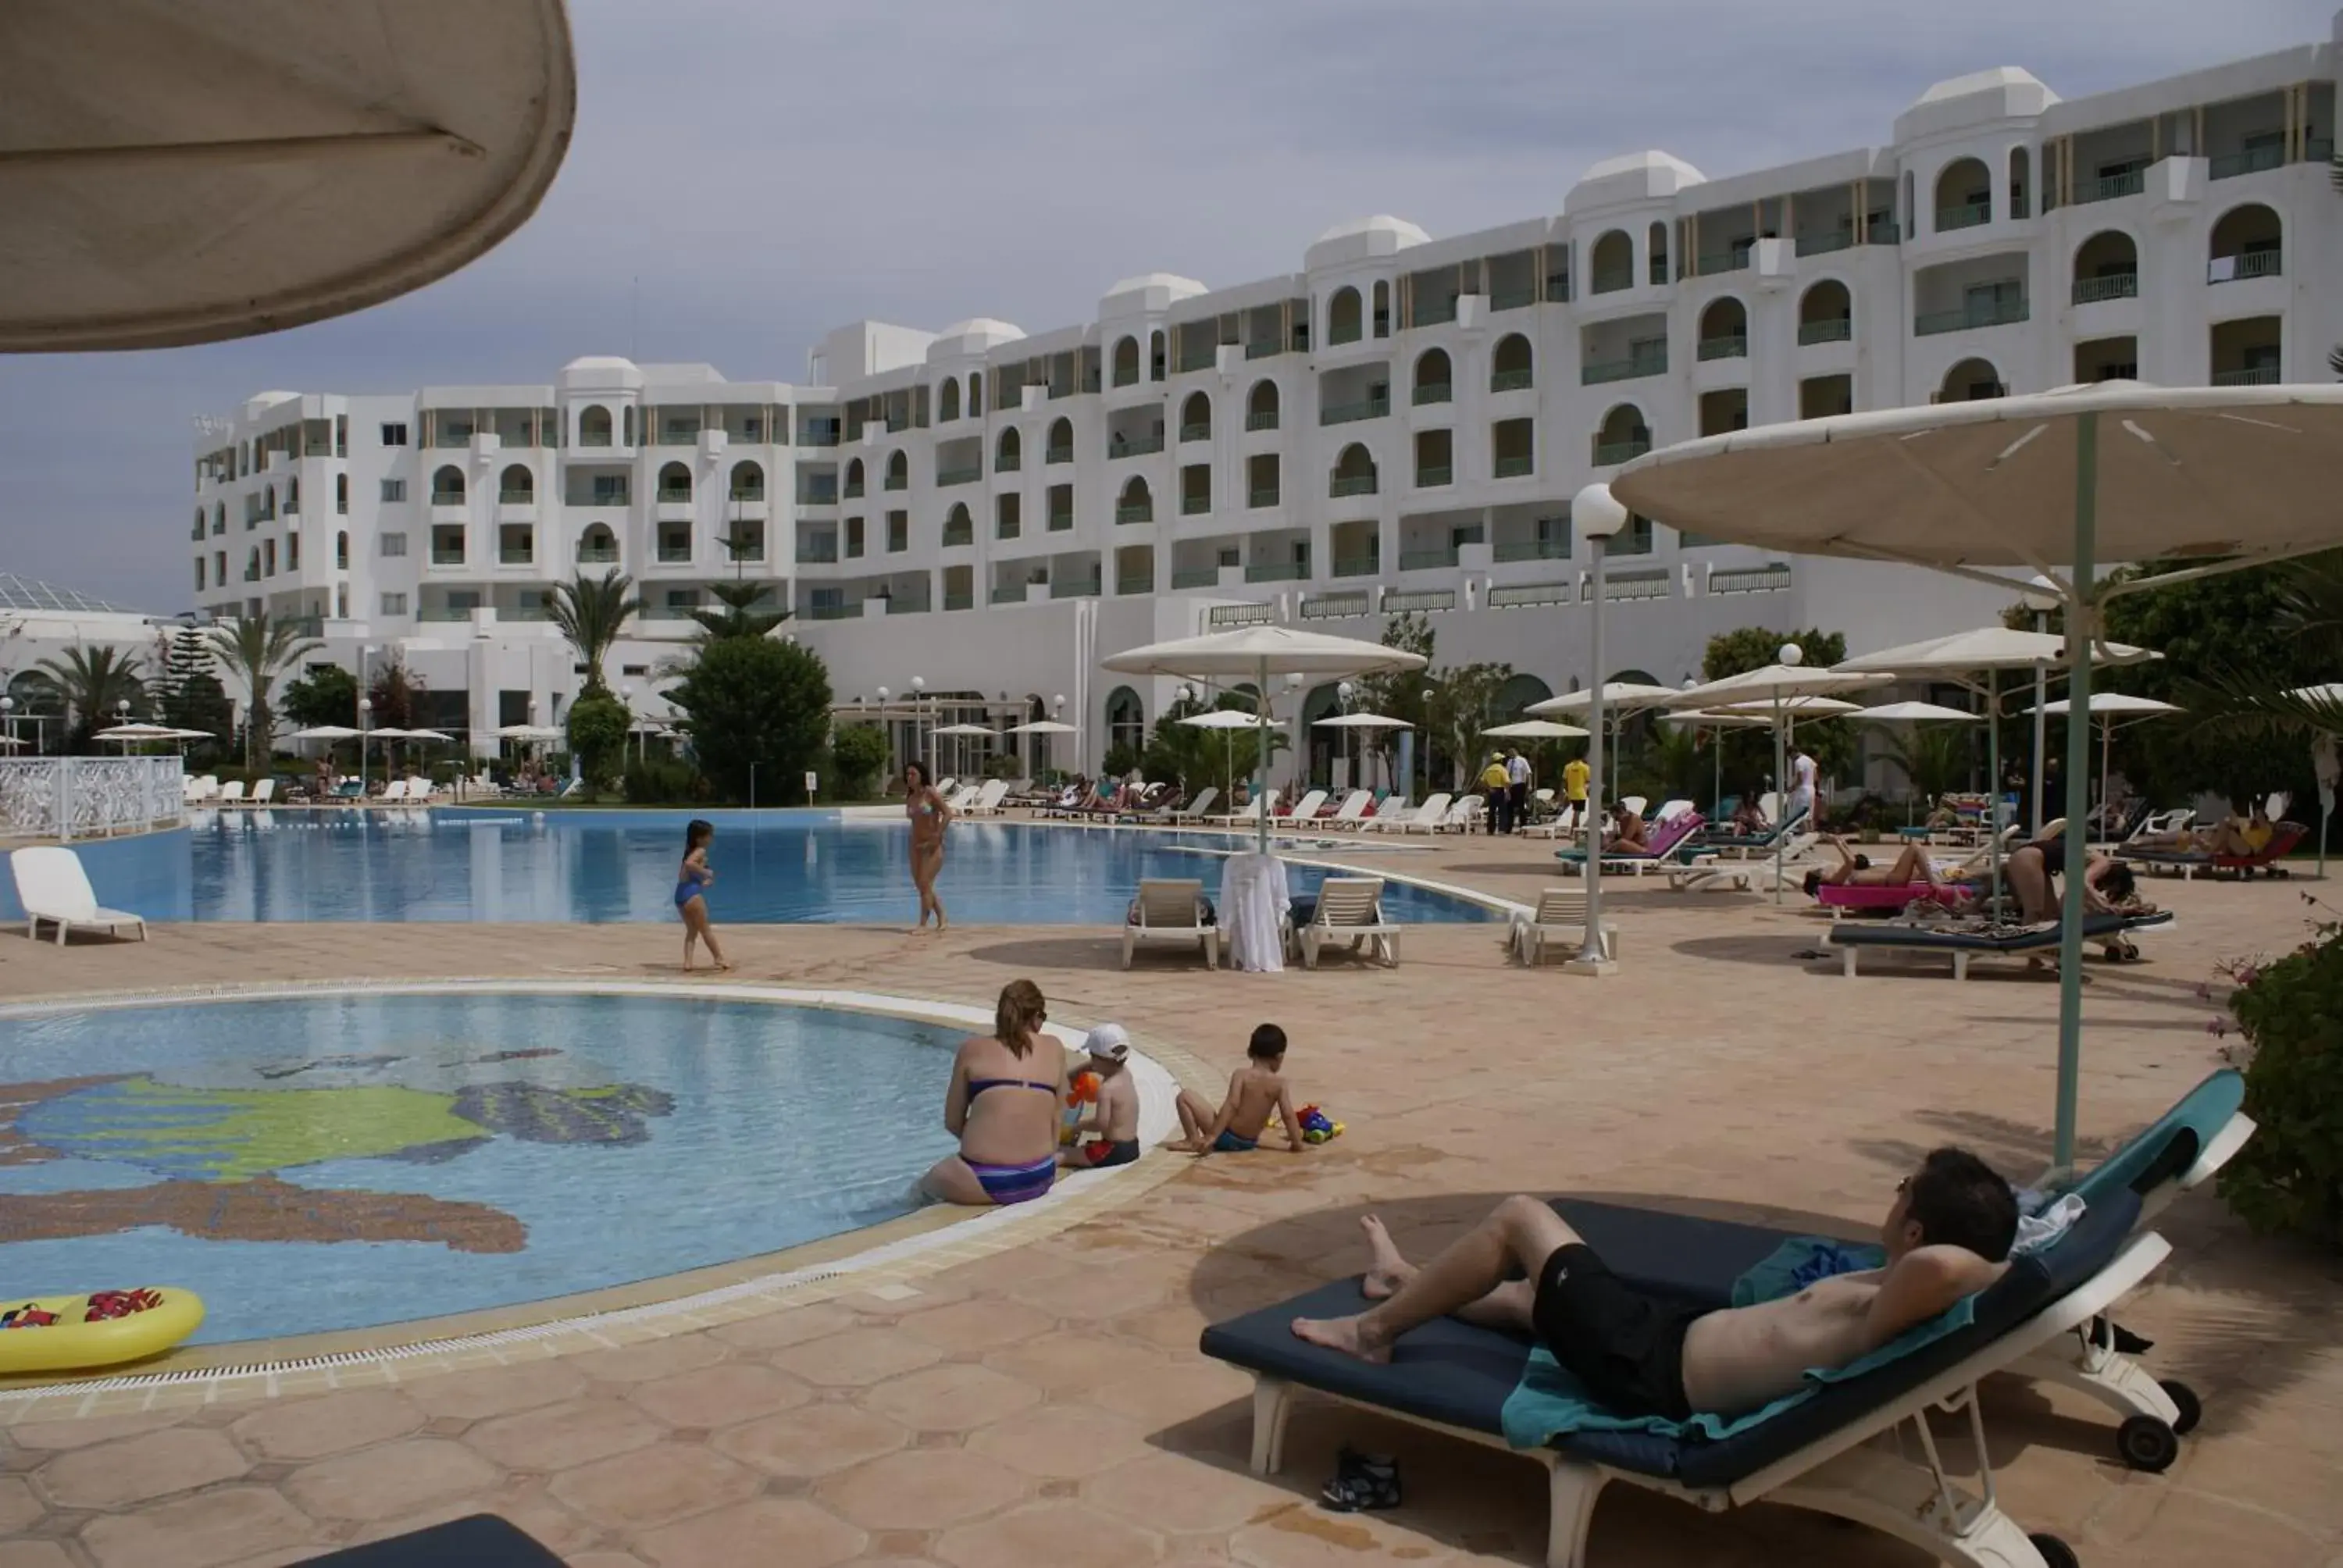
[(720, 1396), (777, 1330), (857, 1358), (637, 1491), (1040, 1533), (783, 1533), (19, 1506), (577, 1432), (953, 1398), (815, 1441), (1061, 1442), (395, 1478), (212, 1527), (134, 1469), (312, 1428), (980, 1324), (497, 1390), (921, 1490)]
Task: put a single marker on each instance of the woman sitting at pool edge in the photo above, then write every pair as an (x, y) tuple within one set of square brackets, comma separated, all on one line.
[(1004, 1107)]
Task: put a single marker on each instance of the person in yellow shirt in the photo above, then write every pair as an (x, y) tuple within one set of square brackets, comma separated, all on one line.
[(1574, 774), (1496, 787)]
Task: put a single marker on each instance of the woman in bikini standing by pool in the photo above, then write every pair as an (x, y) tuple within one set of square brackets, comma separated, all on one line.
[(1002, 1105), (929, 816), (691, 882)]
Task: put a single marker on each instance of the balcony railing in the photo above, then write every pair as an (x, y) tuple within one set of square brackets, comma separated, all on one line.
[(1134, 582), (1009, 462), (1429, 476), (1133, 446), (1365, 565), (1523, 596), (1135, 512), (1430, 312), (1513, 298), (2257, 376), (2253, 160), (1338, 605), (1277, 571), (515, 498), (1884, 233), (898, 482), (1261, 419), (1768, 579), (1823, 244), (1261, 496), (1607, 453), (1515, 466), (2001, 313), (598, 555), (818, 436), (439, 498), (675, 555), (672, 495), (2108, 187), (441, 556), (2244, 265), (1060, 522), (1075, 588), (1962, 215), (2111, 286), (851, 490), (833, 611), (1832, 330), (1546, 549), (1610, 281), (1058, 454), (1201, 430), (1342, 485), (958, 534), (818, 495), (515, 556), (1428, 560), (945, 478), (1432, 392), (1734, 260), (818, 552), (960, 601), (1263, 348), (1628, 369), (1351, 413), (1195, 505), (1512, 380), (1730, 346), (753, 497), (1008, 593), (1195, 577)]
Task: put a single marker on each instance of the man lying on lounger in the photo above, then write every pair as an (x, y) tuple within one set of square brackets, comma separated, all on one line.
[(1523, 1269), (1911, 869)]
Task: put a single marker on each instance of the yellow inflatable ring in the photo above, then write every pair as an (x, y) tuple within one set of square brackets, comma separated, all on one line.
[(106, 1328)]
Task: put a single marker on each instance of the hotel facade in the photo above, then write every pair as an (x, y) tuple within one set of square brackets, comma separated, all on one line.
[(1397, 427)]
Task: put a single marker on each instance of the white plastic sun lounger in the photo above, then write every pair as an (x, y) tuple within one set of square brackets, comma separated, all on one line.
[(1170, 910), (1560, 918), (1197, 809), (263, 793), (1305, 811), (1250, 812), (1352, 811), (988, 799), (1348, 908), (52, 886), (1424, 819), (1465, 815), (232, 792)]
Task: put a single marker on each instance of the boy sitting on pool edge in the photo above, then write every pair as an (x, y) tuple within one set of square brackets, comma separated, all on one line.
[(1256, 1091), (1113, 1121)]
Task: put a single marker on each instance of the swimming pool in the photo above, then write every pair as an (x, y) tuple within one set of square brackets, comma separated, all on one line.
[(602, 867), (333, 1162)]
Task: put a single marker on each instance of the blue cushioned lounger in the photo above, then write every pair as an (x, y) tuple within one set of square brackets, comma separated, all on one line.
[(1457, 1378), (1849, 937)]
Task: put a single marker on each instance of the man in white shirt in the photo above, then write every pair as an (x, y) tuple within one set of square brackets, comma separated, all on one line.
[(1517, 785), (1802, 784)]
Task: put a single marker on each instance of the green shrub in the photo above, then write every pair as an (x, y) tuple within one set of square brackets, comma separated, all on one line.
[(598, 726), (858, 755), (659, 780), (2289, 1174)]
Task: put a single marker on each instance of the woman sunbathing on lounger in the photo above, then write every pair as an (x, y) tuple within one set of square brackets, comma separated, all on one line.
[(1629, 837), (1525, 1270), (2032, 872), (1912, 867)]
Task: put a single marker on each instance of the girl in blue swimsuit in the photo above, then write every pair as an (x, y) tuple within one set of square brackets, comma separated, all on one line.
[(1002, 1105), (691, 882)]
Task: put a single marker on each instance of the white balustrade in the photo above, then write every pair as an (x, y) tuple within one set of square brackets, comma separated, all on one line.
[(69, 798)]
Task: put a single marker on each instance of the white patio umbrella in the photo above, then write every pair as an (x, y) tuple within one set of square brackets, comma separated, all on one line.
[(325, 732), (1258, 652), (527, 732), (1348, 721), (1914, 713), (129, 735), (1719, 719), (1622, 700), (1044, 727), (1225, 719), (1536, 729), (2228, 476), (2111, 710), (960, 732)]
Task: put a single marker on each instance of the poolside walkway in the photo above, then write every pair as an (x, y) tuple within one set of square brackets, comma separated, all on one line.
[(1048, 1402)]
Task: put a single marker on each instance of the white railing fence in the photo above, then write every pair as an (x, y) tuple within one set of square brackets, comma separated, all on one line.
[(69, 798)]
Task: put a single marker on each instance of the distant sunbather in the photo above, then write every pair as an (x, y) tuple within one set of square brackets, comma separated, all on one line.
[(1523, 1269), (1912, 867), (1749, 821), (1629, 835)]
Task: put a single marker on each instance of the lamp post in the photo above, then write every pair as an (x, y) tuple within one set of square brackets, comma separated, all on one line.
[(2041, 603), (1343, 692), (918, 746), (365, 708), (9, 718), (1058, 712), (1428, 695), (1600, 516)]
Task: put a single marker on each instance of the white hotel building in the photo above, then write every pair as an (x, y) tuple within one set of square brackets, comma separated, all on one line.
[(1400, 425)]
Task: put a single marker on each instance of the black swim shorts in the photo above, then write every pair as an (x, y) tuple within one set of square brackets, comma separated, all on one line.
[(1624, 1344)]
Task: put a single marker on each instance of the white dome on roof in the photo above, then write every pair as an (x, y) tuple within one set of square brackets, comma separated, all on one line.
[(1976, 100), (600, 362), (1398, 228), (1981, 82), (1178, 286), (1362, 239), (1650, 160), (983, 325)]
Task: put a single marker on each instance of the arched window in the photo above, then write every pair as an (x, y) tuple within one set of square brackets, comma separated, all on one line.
[(674, 482), (1658, 243), (594, 426), (1060, 446), (1622, 435), (1343, 316), (1971, 381), (1509, 367), (219, 516), (515, 487), (597, 546), (2247, 242), (1516, 694), (292, 493), (1009, 452), (202, 517), (1827, 312), (1136, 504), (975, 396), (1156, 365), (1611, 263), (1196, 417), (1126, 722), (629, 415), (342, 552), (1964, 194), (948, 400), (1354, 472), (960, 528), (199, 574), (2021, 180), (854, 477), (252, 565), (1382, 308), (341, 492), (1723, 330), (2106, 267), (1435, 377), (1261, 406), (1126, 362), (448, 487), (748, 481), (898, 471)]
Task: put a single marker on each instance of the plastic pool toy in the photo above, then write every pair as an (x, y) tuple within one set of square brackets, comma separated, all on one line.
[(68, 1334), (1080, 1091)]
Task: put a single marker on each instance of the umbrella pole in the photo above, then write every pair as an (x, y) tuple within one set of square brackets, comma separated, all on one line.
[(1993, 781), (1261, 761), (2081, 627), (2107, 739), (1716, 770), (1593, 957), (1782, 796), (2041, 723)]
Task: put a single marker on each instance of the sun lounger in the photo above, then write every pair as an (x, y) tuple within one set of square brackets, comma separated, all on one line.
[(52, 886), (1194, 811), (1698, 871), (1425, 818), (2112, 932), (1347, 907), (1172, 910), (1464, 816), (1560, 918), (1352, 810), (263, 793), (1306, 809), (232, 792), (989, 796), (1250, 812), (1671, 843), (2284, 837), (1456, 1379)]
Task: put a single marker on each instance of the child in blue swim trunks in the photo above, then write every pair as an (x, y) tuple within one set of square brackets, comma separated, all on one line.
[(1255, 1090)]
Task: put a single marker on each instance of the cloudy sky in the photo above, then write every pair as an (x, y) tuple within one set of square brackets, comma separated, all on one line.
[(754, 173)]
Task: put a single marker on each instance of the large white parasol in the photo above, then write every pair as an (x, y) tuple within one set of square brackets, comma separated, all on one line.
[(2226, 476), (2111, 711), (1257, 653)]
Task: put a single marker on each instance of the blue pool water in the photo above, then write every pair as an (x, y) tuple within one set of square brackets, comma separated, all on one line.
[(610, 866), (338, 1161)]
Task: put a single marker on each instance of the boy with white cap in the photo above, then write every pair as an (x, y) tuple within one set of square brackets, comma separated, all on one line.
[(1114, 1120)]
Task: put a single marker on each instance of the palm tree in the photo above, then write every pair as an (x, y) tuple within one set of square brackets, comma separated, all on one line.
[(591, 613), (89, 682), (741, 615), (260, 650)]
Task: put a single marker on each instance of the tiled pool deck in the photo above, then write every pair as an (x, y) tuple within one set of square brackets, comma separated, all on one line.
[(1045, 1400)]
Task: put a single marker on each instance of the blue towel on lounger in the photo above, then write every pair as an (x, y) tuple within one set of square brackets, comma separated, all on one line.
[(1549, 1402)]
